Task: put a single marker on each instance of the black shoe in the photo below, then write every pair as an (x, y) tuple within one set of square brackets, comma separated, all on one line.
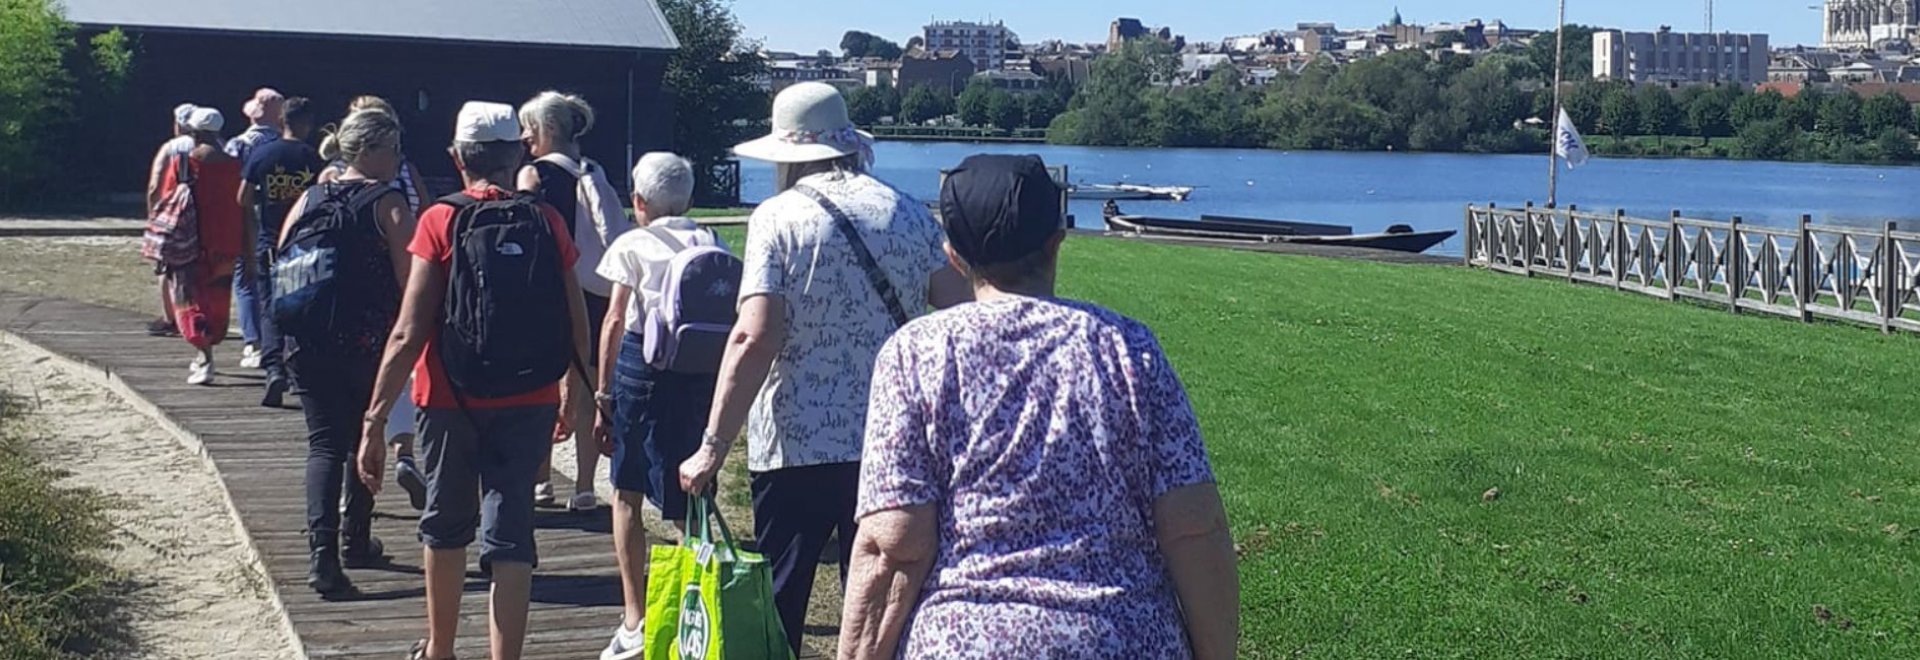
[(407, 474), (276, 396), (162, 328), (324, 574), (370, 553)]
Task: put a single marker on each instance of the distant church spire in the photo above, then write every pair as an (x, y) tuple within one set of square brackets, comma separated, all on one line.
[(1396, 18)]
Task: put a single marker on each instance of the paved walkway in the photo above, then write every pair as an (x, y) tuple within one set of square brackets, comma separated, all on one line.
[(260, 456)]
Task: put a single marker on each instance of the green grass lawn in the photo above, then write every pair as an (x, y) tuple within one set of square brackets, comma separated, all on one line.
[(1673, 481)]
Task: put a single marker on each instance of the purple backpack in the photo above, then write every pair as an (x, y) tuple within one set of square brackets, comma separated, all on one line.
[(687, 326)]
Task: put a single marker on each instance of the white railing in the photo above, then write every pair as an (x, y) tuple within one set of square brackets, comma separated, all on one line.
[(1865, 276)]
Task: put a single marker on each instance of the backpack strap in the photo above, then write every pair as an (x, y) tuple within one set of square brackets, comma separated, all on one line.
[(874, 275), (666, 237)]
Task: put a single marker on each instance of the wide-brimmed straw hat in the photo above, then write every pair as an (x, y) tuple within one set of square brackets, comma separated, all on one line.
[(809, 124)]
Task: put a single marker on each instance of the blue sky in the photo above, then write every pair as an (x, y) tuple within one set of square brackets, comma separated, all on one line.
[(812, 25)]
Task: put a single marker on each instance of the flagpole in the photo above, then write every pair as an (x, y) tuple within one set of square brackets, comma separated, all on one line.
[(1553, 141)]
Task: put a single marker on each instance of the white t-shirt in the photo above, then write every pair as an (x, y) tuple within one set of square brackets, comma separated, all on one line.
[(639, 259), (813, 408)]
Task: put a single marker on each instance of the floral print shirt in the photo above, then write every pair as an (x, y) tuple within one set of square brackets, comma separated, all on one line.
[(813, 407), (1041, 431)]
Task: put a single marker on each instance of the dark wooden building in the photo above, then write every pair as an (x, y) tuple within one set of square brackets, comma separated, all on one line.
[(427, 57)]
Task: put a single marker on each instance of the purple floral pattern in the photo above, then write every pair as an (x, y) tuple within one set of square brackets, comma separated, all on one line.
[(1041, 431)]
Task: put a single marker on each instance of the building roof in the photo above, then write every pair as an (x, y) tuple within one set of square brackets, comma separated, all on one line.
[(619, 24)]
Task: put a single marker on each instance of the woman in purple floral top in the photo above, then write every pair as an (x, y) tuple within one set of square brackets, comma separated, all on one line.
[(1034, 484)]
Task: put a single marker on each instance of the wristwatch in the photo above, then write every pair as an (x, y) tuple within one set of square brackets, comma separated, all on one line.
[(603, 397)]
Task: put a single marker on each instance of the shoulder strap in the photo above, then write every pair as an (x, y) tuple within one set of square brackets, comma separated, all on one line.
[(666, 237), (860, 252), (458, 201), (577, 169)]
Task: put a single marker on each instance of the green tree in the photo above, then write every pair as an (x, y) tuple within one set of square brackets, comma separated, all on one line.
[(1582, 104), (1895, 144), (923, 104), (1803, 110), (1318, 122), (1619, 113), (1755, 108), (1111, 104), (710, 79), (857, 44), (1840, 116), (1772, 139), (1708, 115), (1659, 113), (972, 103), (1486, 98), (1886, 112), (1041, 107), (1004, 111), (1579, 56), (867, 105), (34, 88)]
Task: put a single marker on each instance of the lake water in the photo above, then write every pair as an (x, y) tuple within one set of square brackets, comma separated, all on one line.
[(1371, 191)]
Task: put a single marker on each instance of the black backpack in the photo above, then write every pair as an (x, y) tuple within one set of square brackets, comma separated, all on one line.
[(507, 328), (333, 284)]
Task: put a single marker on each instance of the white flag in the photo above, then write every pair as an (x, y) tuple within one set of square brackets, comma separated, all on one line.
[(1567, 142)]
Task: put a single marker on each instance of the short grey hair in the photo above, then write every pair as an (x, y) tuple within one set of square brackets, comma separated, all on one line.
[(563, 117), (665, 181), (362, 130)]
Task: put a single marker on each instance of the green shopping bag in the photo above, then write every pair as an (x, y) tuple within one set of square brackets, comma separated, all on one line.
[(711, 601)]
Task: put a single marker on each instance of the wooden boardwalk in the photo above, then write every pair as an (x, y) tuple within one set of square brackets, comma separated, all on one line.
[(260, 455)]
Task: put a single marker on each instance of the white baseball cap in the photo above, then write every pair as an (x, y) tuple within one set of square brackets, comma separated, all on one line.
[(206, 119), (183, 113), (481, 121)]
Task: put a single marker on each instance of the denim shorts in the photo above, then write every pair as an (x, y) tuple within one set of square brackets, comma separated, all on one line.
[(483, 479), (658, 418)]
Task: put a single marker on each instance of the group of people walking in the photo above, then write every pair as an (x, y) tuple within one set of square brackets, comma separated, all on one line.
[(1017, 475)]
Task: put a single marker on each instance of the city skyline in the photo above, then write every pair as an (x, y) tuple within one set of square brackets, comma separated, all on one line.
[(790, 26)]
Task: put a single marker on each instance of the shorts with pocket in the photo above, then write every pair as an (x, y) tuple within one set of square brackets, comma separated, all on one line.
[(480, 466)]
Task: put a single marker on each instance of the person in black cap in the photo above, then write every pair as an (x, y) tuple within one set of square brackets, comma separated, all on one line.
[(1034, 482)]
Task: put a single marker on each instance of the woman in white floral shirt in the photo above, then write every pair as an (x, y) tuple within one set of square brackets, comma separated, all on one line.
[(834, 265)]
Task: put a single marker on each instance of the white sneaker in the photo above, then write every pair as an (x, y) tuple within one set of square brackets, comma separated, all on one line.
[(543, 494), (249, 357), (200, 373), (626, 644), (583, 502)]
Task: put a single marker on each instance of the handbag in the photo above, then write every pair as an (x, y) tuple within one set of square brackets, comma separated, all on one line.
[(172, 237), (709, 599), (860, 252)]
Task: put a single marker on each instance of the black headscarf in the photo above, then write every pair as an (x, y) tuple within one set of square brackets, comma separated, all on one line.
[(999, 209)]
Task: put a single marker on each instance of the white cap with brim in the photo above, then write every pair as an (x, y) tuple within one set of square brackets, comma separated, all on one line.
[(481, 121), (206, 119), (810, 124), (183, 113)]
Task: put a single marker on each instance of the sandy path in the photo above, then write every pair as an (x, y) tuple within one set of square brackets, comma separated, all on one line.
[(196, 594)]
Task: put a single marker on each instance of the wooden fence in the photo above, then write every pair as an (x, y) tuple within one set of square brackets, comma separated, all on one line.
[(1852, 274)]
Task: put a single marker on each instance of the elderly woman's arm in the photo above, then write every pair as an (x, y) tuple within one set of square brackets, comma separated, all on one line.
[(1191, 525), (891, 557), (758, 337)]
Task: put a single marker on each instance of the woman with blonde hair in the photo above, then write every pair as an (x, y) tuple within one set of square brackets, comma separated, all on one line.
[(406, 181), (552, 125), (367, 226)]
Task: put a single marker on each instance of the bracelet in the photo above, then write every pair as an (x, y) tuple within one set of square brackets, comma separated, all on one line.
[(374, 418), (603, 397)]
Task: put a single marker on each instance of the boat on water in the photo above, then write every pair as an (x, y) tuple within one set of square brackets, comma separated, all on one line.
[(1128, 191), (1399, 238)]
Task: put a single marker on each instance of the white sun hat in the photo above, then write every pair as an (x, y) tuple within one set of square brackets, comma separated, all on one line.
[(810, 124)]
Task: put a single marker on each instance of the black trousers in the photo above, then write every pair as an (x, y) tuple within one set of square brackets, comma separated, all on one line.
[(335, 402), (273, 349), (795, 511)]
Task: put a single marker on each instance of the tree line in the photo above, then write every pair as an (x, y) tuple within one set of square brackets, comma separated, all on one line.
[(1495, 103), (980, 104), (52, 86)]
